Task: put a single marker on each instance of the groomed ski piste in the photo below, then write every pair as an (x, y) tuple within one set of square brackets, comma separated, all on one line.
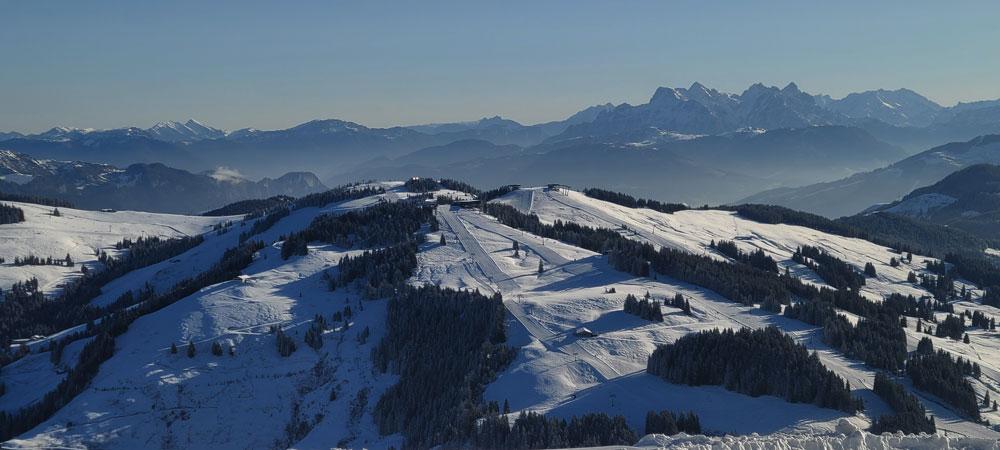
[(146, 397)]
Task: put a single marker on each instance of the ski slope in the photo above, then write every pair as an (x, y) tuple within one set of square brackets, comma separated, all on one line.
[(559, 373), (694, 230)]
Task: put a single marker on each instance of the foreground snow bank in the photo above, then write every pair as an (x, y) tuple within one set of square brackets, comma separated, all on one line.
[(847, 436)]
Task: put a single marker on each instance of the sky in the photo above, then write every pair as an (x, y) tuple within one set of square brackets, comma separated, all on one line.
[(271, 65)]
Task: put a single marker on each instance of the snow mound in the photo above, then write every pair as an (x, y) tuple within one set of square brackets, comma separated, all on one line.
[(847, 436)]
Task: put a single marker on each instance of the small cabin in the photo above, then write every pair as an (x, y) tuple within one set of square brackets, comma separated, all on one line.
[(585, 332)]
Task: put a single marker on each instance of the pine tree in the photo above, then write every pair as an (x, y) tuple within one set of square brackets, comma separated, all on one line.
[(541, 268), (173, 348), (966, 338), (443, 241), (986, 400), (216, 348), (506, 406), (190, 349), (56, 213)]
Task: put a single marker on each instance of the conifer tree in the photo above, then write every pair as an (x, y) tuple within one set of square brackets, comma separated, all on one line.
[(190, 349), (173, 348)]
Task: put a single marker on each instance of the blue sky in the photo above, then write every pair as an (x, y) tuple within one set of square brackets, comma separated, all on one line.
[(275, 64)]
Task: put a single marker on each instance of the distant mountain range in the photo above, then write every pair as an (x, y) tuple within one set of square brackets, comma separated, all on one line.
[(968, 199), (763, 138), (858, 192), (145, 187)]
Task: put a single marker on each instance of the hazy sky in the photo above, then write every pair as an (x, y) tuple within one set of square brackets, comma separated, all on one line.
[(275, 64)]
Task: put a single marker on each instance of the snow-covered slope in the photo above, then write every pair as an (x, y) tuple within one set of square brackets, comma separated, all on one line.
[(82, 235), (146, 397)]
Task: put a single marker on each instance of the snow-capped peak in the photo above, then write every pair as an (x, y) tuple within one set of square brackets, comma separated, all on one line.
[(192, 130)]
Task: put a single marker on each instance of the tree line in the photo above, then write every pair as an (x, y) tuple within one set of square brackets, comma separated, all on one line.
[(753, 362), (647, 308), (943, 376), (10, 214), (34, 199), (445, 346), (909, 415), (265, 223), (831, 269), (26, 312), (382, 224), (531, 430), (632, 202), (252, 208), (338, 194), (381, 272), (756, 258)]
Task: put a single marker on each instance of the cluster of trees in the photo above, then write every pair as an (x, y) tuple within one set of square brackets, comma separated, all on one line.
[(668, 423), (383, 224), (265, 223), (445, 346), (756, 258), (144, 251), (679, 302), (942, 286), (878, 341), (418, 184), (778, 214), (460, 186), (831, 269), (632, 202), (383, 271), (648, 308), (943, 376), (314, 335), (34, 199), (338, 194), (908, 305), (910, 417), (32, 260), (983, 321), (535, 431), (285, 343), (991, 296), (10, 214), (952, 327), (753, 362), (252, 208)]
